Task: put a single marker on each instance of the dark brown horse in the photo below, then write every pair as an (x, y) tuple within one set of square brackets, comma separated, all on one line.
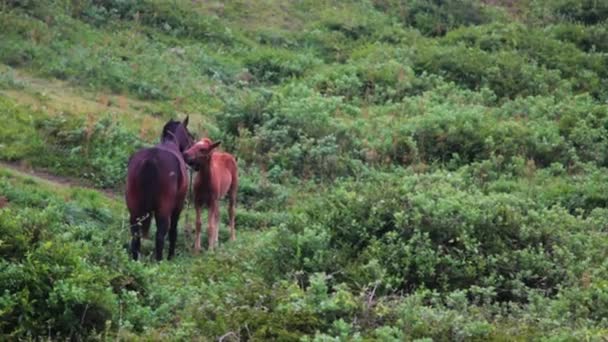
[(157, 184), (217, 177)]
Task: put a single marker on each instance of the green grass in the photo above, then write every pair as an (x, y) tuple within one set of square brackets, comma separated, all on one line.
[(408, 170)]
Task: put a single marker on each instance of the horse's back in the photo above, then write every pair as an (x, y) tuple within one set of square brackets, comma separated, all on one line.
[(156, 180)]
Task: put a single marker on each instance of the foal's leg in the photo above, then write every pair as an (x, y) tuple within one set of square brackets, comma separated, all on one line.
[(231, 214), (173, 233), (216, 225), (197, 238), (211, 225), (162, 225)]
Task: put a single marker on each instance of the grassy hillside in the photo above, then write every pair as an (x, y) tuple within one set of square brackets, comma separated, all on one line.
[(409, 169)]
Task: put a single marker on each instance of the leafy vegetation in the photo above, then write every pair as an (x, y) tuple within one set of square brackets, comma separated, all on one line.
[(409, 170)]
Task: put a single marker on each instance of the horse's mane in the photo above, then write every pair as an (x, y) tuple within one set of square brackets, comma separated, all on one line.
[(169, 131)]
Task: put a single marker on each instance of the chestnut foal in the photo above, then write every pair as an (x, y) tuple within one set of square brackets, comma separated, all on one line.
[(217, 176)]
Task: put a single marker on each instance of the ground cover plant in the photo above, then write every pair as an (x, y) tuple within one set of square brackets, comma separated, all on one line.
[(418, 170)]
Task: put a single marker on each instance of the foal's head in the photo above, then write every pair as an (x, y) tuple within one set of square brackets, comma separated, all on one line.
[(178, 132), (200, 153)]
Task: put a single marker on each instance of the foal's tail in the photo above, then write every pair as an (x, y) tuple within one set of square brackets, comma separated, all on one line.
[(148, 185)]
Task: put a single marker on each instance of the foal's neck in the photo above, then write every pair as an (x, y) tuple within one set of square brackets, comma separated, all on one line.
[(204, 190), (205, 171)]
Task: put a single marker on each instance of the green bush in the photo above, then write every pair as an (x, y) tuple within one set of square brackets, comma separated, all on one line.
[(291, 131), (97, 151), (50, 288), (341, 29), (408, 171), (539, 47), (445, 129), (587, 11), (586, 38), (433, 17), (377, 74), (507, 73), (406, 231), (172, 18), (274, 66)]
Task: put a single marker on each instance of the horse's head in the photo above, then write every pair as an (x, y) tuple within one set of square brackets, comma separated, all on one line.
[(178, 132), (200, 153)]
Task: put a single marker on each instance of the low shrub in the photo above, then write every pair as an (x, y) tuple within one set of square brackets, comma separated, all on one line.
[(405, 231), (273, 66), (435, 18)]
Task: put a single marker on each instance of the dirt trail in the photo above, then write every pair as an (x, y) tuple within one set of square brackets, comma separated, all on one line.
[(56, 180)]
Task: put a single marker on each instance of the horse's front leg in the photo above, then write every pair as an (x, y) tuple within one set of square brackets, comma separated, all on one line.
[(197, 237)]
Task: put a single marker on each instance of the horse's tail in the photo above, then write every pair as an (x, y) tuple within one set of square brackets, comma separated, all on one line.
[(148, 184)]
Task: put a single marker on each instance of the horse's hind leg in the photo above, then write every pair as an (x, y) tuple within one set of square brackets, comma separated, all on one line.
[(162, 225), (145, 221), (173, 233), (139, 224), (135, 237)]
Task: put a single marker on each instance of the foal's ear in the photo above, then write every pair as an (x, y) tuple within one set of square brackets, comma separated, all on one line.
[(215, 144), (185, 122)]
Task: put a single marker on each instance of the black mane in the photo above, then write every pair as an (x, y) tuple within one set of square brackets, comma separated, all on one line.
[(170, 127)]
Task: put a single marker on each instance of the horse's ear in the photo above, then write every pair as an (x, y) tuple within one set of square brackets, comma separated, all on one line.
[(215, 144), (185, 122)]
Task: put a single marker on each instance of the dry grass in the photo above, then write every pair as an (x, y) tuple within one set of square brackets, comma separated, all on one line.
[(63, 186), (56, 96), (254, 15)]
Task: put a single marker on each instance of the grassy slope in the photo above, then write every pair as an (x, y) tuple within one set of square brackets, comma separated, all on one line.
[(138, 74), (231, 269)]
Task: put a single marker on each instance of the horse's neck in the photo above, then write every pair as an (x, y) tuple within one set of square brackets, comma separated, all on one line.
[(171, 148), (168, 145)]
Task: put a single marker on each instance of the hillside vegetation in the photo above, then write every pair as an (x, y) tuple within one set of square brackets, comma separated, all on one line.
[(410, 170)]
